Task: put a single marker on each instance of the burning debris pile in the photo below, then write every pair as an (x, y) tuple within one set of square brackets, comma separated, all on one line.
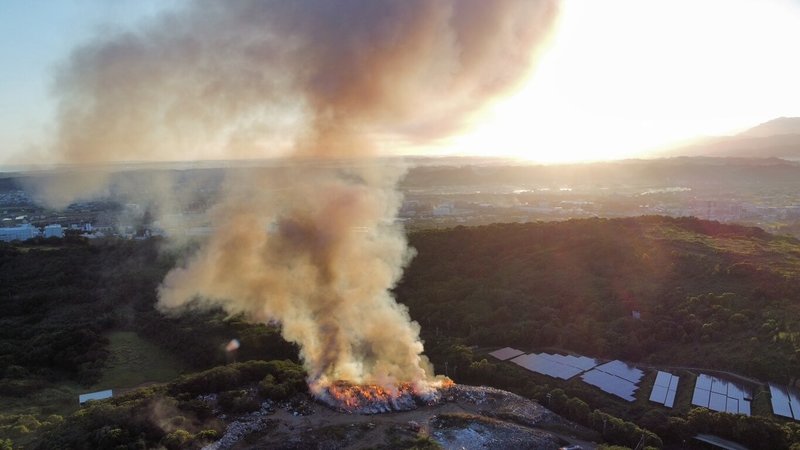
[(373, 399), (456, 416)]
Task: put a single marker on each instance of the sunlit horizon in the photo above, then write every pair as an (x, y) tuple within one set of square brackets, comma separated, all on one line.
[(618, 79), (627, 78)]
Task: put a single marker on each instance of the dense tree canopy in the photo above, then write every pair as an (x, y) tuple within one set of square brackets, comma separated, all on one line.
[(706, 294)]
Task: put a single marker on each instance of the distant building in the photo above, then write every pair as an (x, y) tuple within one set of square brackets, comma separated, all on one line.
[(444, 209), (20, 233), (55, 230), (99, 395)]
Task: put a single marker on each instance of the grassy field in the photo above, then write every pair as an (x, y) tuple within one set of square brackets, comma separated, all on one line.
[(61, 399), (135, 361)]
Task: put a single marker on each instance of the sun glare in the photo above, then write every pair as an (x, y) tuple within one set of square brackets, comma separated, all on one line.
[(625, 77)]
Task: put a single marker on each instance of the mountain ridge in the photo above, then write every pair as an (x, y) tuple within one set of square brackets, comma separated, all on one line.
[(776, 138)]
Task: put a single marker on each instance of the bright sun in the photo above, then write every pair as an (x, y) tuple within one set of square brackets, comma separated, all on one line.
[(626, 76)]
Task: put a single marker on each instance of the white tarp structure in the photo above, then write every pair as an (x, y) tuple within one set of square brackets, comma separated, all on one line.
[(99, 395)]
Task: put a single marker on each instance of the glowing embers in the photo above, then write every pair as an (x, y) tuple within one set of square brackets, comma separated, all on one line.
[(373, 399), (722, 396), (785, 401), (556, 366), (664, 389), (615, 377)]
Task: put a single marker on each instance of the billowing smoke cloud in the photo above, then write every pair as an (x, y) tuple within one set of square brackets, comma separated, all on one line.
[(315, 248), (319, 257)]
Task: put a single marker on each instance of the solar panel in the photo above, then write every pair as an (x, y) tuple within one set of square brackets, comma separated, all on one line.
[(703, 382), (701, 397), (794, 400), (717, 402), (548, 367), (659, 394), (664, 389), (781, 405), (580, 362), (732, 406), (586, 363), (670, 402), (738, 391), (622, 370), (734, 391), (571, 372), (547, 364), (610, 383), (506, 353), (521, 360), (663, 378), (719, 386), (721, 395), (744, 407), (673, 383)]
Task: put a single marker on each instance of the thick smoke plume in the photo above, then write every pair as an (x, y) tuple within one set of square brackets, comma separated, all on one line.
[(315, 249)]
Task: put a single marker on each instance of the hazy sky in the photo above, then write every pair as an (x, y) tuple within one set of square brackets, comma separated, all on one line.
[(36, 36), (621, 76)]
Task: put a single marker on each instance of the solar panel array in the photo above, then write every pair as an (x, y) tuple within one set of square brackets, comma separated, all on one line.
[(616, 378), (664, 389), (721, 395), (785, 401), (556, 366), (506, 353)]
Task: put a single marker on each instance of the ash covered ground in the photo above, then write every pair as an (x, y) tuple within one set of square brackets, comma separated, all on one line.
[(467, 417)]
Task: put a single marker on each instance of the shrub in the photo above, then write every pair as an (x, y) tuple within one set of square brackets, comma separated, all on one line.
[(207, 435), (237, 401), (177, 439)]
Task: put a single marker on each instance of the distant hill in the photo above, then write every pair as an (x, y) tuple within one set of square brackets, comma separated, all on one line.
[(778, 138), (775, 127), (733, 173)]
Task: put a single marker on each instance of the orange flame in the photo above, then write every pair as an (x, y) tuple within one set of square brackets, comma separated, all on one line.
[(350, 397)]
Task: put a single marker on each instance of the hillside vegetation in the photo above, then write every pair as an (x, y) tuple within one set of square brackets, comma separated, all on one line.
[(709, 295), (80, 316)]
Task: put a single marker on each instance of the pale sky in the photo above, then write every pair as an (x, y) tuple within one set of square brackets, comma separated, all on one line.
[(626, 76), (37, 35), (620, 78)]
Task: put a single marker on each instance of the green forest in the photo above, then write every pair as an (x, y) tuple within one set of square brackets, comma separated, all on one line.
[(706, 294), (69, 305)]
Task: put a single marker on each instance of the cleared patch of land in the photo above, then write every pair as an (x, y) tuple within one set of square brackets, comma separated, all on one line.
[(135, 361)]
